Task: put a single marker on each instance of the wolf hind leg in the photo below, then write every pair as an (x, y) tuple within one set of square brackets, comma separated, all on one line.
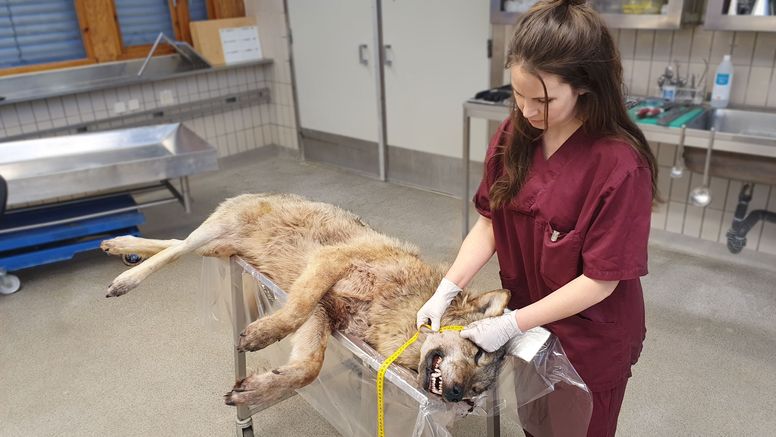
[(206, 233), (323, 270), (304, 365)]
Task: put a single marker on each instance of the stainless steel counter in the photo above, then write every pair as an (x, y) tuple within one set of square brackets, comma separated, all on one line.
[(54, 83), (751, 143)]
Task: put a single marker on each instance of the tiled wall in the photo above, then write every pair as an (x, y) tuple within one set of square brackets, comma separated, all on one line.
[(273, 33), (645, 54), (231, 132)]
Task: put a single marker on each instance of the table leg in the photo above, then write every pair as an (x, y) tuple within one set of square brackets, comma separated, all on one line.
[(465, 196)]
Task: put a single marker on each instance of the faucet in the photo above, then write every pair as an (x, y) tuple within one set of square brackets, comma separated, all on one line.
[(173, 44)]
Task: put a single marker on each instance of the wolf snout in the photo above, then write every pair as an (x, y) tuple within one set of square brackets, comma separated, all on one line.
[(454, 393)]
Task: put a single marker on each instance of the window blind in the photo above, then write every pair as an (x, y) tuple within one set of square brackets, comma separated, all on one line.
[(40, 31), (142, 20), (197, 10)]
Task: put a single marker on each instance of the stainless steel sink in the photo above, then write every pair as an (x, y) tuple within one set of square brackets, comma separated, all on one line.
[(45, 84), (737, 122), (739, 130)]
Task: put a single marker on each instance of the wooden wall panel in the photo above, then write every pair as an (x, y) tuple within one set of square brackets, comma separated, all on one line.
[(100, 29), (226, 9)]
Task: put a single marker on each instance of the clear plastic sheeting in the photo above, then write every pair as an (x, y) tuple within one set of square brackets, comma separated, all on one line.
[(537, 390)]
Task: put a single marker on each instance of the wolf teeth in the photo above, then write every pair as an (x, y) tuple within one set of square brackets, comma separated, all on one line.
[(436, 385)]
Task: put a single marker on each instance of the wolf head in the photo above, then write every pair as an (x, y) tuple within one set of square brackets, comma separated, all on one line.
[(453, 367)]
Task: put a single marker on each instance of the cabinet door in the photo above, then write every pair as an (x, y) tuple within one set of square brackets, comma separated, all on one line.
[(336, 91), (438, 56)]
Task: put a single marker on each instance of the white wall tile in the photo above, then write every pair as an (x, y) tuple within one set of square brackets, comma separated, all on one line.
[(740, 81), (656, 69), (663, 44), (84, 103), (764, 50), (680, 187), (759, 80), (240, 135), (675, 219), (767, 243), (710, 228), (658, 220), (40, 111), (237, 119), (701, 45), (727, 220), (681, 44), (743, 48), (14, 130), (666, 154), (98, 101), (721, 45), (772, 91), (693, 221), (25, 114), (718, 187), (640, 81), (9, 116)]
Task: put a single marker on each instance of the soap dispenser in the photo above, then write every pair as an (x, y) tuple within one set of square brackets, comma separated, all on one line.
[(723, 81)]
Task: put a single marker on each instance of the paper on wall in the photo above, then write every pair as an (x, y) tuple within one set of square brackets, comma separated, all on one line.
[(240, 44)]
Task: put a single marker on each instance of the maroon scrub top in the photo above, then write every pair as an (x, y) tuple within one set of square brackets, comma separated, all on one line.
[(585, 210)]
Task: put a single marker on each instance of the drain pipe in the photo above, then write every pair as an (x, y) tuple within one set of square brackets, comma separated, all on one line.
[(743, 223)]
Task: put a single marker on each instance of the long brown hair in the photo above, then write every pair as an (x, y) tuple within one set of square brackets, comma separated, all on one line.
[(569, 39)]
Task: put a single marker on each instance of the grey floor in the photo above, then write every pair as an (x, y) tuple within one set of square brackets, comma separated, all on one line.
[(73, 363)]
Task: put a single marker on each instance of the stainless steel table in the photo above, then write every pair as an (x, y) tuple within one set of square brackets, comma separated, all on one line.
[(475, 109)]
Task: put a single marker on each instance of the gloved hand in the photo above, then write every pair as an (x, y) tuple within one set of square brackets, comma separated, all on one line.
[(438, 303), (492, 333)]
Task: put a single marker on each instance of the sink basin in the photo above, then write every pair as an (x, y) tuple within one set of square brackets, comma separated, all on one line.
[(741, 127), (737, 122), (44, 84)]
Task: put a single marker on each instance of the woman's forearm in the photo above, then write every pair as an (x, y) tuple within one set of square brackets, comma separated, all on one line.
[(578, 295), (477, 248)]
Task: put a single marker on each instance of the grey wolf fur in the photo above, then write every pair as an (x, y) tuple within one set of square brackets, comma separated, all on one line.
[(339, 274)]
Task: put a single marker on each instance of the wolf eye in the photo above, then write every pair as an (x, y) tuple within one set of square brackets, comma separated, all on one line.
[(478, 356)]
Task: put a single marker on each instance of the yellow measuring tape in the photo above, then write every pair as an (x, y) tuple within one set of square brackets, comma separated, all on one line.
[(384, 367)]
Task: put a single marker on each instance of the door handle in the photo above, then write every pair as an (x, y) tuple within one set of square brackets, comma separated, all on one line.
[(388, 55), (363, 54)]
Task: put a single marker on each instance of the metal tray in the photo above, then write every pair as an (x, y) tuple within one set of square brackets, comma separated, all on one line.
[(48, 168)]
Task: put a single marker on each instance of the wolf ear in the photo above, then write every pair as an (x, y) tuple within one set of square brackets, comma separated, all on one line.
[(492, 303)]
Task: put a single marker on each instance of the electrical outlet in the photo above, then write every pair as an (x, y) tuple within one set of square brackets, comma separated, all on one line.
[(133, 105), (166, 98), (119, 107)]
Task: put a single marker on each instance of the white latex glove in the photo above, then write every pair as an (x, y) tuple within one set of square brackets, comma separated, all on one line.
[(434, 308), (492, 333)]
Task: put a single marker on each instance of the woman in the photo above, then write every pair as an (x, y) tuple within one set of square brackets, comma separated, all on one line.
[(565, 202)]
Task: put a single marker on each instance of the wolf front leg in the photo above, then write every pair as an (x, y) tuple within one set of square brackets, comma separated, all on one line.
[(304, 365), (324, 269)]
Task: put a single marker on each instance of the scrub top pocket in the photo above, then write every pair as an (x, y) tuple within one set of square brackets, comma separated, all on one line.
[(561, 256)]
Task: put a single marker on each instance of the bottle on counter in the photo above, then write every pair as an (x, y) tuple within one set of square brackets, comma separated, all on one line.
[(723, 81)]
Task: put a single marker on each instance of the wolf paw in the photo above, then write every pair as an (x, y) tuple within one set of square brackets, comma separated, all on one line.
[(119, 245), (257, 336), (124, 283), (245, 392)]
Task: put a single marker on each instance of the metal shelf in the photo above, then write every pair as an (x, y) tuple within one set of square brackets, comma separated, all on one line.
[(716, 20), (677, 13)]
